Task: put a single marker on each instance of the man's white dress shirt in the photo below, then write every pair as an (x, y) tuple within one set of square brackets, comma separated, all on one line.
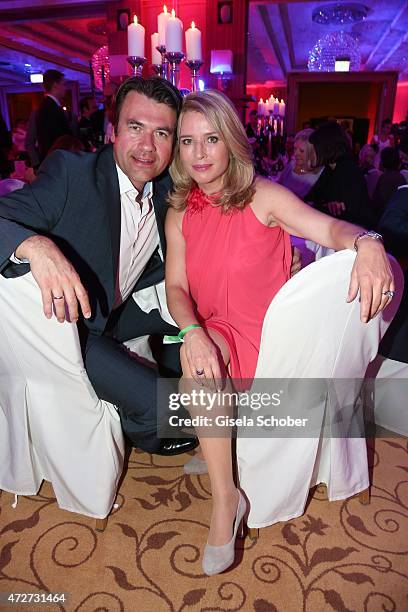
[(139, 236)]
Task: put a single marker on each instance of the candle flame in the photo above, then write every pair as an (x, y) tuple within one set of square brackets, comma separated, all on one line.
[(193, 25), (135, 19), (282, 102), (164, 8), (173, 13), (261, 101)]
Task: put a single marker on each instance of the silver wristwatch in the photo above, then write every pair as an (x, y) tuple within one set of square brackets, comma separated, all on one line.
[(368, 234)]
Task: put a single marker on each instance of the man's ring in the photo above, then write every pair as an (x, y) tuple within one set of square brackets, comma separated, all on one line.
[(199, 372), (57, 297), (389, 294)]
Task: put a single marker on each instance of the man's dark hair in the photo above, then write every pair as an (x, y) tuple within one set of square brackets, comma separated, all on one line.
[(83, 104), (390, 159), (253, 113), (50, 77), (155, 88), (331, 143), (386, 122)]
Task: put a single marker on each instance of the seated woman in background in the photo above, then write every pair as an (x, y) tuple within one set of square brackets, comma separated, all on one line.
[(228, 254), (340, 190), (301, 173), (366, 161)]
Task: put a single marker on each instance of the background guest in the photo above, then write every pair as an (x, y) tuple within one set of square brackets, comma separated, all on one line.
[(301, 173), (389, 181), (19, 135), (403, 152), (383, 140), (340, 190), (251, 127), (87, 126), (366, 160), (52, 121), (67, 143)]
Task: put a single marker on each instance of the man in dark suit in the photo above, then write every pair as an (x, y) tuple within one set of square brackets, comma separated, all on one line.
[(90, 229), (52, 121), (394, 227)]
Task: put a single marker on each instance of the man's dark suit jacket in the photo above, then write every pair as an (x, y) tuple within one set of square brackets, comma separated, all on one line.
[(75, 200), (394, 227), (52, 123), (345, 183)]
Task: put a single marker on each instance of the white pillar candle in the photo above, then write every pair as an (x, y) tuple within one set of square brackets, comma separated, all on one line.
[(193, 43), (156, 55), (267, 108), (261, 107), (174, 34), (282, 108), (161, 25), (276, 107), (136, 39)]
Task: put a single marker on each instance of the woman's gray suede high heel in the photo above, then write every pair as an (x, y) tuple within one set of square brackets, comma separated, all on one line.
[(216, 559)]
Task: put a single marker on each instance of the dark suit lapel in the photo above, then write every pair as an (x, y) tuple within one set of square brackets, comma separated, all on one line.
[(108, 186), (161, 188)]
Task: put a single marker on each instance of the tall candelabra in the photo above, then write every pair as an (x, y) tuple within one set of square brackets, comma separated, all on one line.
[(137, 64), (175, 58), (194, 66)]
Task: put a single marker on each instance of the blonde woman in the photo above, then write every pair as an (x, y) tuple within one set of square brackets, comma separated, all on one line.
[(301, 173), (228, 254)]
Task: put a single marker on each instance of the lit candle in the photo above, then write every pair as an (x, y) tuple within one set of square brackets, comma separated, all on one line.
[(156, 55), (282, 108), (193, 43), (161, 25), (267, 108), (276, 107), (261, 107), (136, 39), (174, 34)]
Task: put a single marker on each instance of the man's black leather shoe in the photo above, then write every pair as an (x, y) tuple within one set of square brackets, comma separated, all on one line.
[(176, 446)]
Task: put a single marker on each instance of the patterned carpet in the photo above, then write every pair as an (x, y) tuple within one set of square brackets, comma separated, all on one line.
[(340, 556)]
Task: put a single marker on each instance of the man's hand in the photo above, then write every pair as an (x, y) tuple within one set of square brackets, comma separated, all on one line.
[(296, 261), (60, 285)]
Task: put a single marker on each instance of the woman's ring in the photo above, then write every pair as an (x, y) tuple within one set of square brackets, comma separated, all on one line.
[(389, 294), (199, 372), (57, 297)]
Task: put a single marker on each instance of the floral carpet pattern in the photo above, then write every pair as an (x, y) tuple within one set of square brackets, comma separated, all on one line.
[(340, 556)]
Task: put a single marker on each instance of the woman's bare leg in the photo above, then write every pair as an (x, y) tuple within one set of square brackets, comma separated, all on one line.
[(217, 453)]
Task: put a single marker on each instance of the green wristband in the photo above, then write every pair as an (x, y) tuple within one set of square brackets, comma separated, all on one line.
[(180, 335)]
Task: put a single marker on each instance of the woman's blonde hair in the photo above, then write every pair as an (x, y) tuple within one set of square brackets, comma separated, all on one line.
[(304, 136), (238, 188)]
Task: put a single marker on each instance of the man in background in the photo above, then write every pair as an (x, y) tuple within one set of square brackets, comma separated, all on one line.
[(51, 119)]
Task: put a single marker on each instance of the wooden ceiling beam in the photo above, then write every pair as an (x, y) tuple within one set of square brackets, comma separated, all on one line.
[(391, 52), (50, 12), (88, 39), (44, 38), (382, 38), (287, 30), (48, 57), (263, 11)]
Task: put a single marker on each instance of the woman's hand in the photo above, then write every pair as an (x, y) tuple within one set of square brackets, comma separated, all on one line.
[(202, 358), (372, 275)]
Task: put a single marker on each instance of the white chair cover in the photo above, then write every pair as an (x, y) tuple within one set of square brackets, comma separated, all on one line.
[(52, 424), (311, 332), (387, 394)]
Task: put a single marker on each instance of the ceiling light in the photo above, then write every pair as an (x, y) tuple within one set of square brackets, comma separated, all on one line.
[(36, 77), (340, 14)]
